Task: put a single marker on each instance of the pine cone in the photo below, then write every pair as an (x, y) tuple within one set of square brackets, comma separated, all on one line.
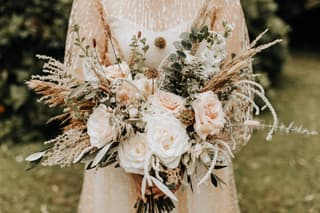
[(186, 116)]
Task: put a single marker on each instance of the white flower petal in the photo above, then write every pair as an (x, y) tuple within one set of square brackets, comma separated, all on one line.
[(99, 127)]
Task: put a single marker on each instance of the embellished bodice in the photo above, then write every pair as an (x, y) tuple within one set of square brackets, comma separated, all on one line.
[(161, 26), (160, 42), (154, 15), (155, 19), (109, 189)]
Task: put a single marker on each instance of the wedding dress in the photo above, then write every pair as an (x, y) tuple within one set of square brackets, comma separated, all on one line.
[(110, 189)]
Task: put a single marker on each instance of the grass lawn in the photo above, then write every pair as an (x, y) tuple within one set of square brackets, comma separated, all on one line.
[(272, 177), (284, 175), (40, 190)]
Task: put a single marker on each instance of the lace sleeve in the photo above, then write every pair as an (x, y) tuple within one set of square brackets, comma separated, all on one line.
[(89, 16), (223, 10)]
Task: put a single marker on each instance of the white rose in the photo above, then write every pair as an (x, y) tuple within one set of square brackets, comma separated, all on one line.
[(167, 101), (132, 154), (127, 94), (116, 71), (99, 126), (167, 139), (209, 114)]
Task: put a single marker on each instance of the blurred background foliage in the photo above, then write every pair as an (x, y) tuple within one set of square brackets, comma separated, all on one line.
[(283, 180), (302, 16), (261, 15), (33, 27), (27, 28)]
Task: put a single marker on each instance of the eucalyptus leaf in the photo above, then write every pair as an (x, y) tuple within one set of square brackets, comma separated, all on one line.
[(177, 66), (193, 38), (164, 188), (145, 48), (204, 29), (185, 35), (181, 54), (87, 158), (101, 155), (186, 44), (177, 45), (172, 57), (35, 156), (82, 155), (110, 157)]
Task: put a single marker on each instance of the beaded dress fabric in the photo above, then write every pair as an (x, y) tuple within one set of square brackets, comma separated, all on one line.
[(110, 189)]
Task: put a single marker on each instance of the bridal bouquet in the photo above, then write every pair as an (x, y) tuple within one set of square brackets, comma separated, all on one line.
[(160, 125)]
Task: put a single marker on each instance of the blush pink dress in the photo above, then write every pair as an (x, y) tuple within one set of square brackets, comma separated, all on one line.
[(112, 190)]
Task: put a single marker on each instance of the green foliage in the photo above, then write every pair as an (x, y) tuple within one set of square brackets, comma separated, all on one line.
[(262, 14), (185, 74), (32, 27), (27, 28), (139, 49)]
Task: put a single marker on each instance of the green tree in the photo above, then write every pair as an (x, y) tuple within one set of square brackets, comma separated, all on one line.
[(27, 28), (262, 14)]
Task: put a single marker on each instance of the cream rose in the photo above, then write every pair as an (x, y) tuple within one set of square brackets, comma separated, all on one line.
[(209, 114), (167, 139), (116, 71), (132, 154), (126, 93), (168, 101), (144, 85), (112, 72), (99, 126)]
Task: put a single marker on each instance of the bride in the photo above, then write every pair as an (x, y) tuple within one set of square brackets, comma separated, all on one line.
[(161, 22)]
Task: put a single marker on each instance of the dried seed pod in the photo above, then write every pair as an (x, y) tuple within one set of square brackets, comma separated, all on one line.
[(173, 177), (139, 34), (151, 73), (186, 116), (160, 42)]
